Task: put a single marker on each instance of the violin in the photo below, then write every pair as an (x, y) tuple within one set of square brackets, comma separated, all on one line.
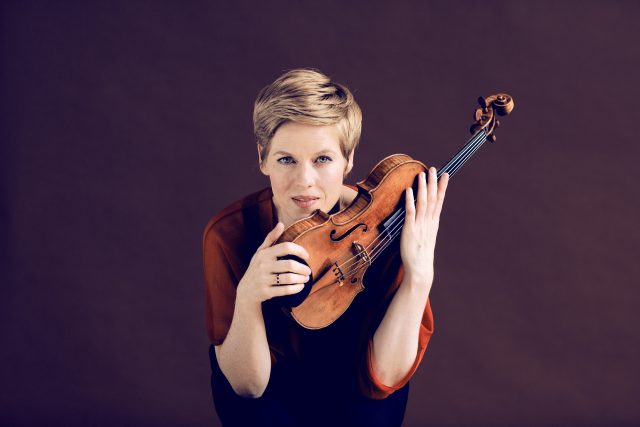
[(343, 245)]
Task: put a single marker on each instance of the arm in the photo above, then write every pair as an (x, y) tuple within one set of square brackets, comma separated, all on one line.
[(395, 342), (244, 357)]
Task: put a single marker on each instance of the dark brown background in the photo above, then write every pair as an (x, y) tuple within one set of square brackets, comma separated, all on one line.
[(126, 125)]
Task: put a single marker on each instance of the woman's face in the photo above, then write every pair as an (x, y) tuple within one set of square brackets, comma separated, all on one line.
[(306, 169)]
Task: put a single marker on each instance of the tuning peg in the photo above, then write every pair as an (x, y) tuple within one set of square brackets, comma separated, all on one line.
[(491, 138), (497, 123)]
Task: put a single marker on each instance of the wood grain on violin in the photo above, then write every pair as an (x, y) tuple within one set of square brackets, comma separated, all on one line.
[(343, 245)]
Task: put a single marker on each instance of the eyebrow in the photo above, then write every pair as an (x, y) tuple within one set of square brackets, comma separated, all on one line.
[(317, 154)]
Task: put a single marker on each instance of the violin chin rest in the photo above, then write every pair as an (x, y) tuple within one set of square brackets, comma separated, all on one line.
[(290, 301)]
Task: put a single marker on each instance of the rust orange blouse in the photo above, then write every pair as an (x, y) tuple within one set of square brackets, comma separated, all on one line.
[(337, 357)]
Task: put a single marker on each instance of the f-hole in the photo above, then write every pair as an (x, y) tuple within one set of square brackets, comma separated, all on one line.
[(346, 233)]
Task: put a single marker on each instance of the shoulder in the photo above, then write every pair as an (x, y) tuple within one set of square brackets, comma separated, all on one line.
[(229, 223)]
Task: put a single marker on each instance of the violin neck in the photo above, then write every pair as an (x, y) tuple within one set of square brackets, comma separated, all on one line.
[(465, 153)]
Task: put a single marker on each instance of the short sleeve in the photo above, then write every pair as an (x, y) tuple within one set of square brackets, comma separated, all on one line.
[(370, 385), (220, 285)]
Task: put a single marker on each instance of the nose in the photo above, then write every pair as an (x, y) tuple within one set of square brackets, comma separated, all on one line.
[(306, 176)]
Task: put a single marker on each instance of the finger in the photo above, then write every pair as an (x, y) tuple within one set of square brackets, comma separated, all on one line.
[(290, 266), (442, 189), (291, 279), (432, 189), (409, 207), (421, 205), (289, 248), (278, 291), (272, 236)]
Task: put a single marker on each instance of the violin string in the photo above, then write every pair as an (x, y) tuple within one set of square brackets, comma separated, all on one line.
[(475, 142), (357, 265), (464, 154), (459, 159), (386, 237), (467, 148), (395, 229), (379, 239), (472, 149), (381, 246)]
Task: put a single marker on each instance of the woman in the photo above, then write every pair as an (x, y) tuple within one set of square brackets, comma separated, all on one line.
[(267, 370)]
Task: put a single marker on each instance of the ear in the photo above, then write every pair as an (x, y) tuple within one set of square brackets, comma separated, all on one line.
[(260, 164), (349, 163)]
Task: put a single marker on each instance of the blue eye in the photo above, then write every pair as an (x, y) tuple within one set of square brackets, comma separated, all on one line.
[(285, 160), (324, 159)]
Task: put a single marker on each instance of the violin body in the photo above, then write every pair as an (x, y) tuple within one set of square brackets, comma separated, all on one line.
[(341, 246)]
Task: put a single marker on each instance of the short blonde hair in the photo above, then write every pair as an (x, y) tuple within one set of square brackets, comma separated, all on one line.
[(306, 95)]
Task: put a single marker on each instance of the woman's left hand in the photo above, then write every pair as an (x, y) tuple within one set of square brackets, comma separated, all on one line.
[(418, 241)]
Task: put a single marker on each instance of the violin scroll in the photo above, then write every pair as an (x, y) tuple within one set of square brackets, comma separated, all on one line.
[(501, 104)]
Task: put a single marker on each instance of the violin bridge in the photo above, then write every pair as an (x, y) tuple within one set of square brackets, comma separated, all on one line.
[(361, 256), (361, 253), (337, 271)]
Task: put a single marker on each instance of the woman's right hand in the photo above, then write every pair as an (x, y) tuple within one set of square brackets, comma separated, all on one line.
[(259, 281)]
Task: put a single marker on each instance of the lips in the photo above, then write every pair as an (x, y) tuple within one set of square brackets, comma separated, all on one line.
[(305, 201)]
